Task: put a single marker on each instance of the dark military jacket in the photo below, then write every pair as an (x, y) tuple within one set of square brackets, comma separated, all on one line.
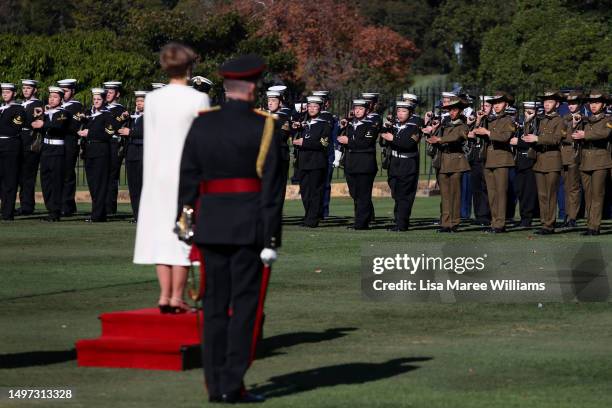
[(550, 133), (453, 135), (117, 120), (284, 125), (56, 127), (12, 117), (313, 151), (74, 109), (405, 143), (502, 129), (134, 151), (234, 141), (99, 134), (360, 152), (26, 131)]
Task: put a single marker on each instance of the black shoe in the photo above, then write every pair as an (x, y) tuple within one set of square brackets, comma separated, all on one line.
[(570, 224), (454, 228), (214, 398), (496, 230), (525, 223), (242, 397), (590, 232), (545, 231), (445, 230), (21, 211), (51, 218), (481, 223), (395, 228)]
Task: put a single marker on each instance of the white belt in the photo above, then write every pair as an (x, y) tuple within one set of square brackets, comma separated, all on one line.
[(403, 155), (56, 142), (116, 137), (9, 137)]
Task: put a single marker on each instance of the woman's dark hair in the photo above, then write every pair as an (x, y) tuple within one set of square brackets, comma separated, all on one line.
[(177, 60)]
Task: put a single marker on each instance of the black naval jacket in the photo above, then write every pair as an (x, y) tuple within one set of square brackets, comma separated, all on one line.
[(57, 125), (360, 153), (284, 124), (12, 118), (26, 131), (405, 145), (117, 121), (74, 109), (313, 151), (136, 139), (224, 143), (99, 134)]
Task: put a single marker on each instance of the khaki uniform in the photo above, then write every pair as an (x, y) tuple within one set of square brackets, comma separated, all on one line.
[(499, 159), (453, 164), (595, 161), (570, 171), (548, 166)]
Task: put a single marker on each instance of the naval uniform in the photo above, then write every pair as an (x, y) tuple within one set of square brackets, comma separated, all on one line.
[(312, 164), (403, 172), (117, 153), (239, 213), (52, 159), (360, 168), (71, 149), (97, 161), (284, 124), (133, 160), (478, 185), (12, 118), (524, 181), (30, 158)]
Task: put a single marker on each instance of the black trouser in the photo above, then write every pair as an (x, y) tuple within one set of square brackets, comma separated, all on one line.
[(134, 178), (403, 191), (116, 158), (482, 212), (9, 175), (285, 171), (52, 182), (71, 149), (360, 189), (27, 180), (233, 278), (97, 172), (527, 192), (312, 189)]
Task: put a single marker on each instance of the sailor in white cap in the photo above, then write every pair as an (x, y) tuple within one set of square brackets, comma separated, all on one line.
[(134, 152), (71, 148), (312, 144), (12, 116), (274, 98), (282, 89), (201, 84), (373, 114), (56, 125), (30, 159), (120, 120), (96, 134), (403, 166), (359, 139)]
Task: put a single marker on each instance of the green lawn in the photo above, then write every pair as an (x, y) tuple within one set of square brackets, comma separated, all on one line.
[(325, 346)]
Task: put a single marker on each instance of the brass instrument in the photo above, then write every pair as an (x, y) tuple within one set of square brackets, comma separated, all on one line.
[(37, 135), (184, 225)]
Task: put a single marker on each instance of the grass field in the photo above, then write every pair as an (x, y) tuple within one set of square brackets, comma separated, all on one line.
[(325, 346)]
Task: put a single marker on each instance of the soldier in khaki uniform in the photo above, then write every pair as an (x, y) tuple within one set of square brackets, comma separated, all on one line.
[(499, 158), (452, 163), (571, 173), (547, 168), (595, 160)]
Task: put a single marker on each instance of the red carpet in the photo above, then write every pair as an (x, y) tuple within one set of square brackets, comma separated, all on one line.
[(146, 339)]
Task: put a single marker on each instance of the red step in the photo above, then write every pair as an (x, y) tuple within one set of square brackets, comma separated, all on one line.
[(144, 339)]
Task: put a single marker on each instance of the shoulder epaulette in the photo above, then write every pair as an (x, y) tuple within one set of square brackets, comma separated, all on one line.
[(206, 110), (265, 114)]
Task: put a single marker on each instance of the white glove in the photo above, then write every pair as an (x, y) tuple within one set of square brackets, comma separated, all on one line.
[(268, 256), (337, 156)]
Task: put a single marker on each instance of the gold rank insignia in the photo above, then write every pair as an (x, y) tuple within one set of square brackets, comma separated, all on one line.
[(61, 117), (325, 142), (609, 125), (18, 120), (109, 130), (285, 126)]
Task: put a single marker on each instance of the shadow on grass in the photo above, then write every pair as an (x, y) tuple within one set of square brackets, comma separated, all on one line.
[(340, 374), (269, 346), (36, 358)]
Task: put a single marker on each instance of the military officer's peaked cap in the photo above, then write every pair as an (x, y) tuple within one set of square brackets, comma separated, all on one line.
[(359, 102), (112, 85), (7, 85), (98, 91), (456, 102), (551, 94), (29, 82), (596, 96), (245, 68), (56, 89), (67, 83)]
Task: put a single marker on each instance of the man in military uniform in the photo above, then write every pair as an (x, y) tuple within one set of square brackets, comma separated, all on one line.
[(120, 119), (403, 171), (12, 117), (547, 167), (312, 143), (238, 222), (284, 122), (571, 173), (34, 108), (134, 152), (55, 126), (595, 160), (499, 159), (452, 163), (202, 84), (360, 166), (524, 181), (476, 159), (71, 146), (333, 124)]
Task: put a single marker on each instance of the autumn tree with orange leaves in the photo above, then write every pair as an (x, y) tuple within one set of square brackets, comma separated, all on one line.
[(332, 42)]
